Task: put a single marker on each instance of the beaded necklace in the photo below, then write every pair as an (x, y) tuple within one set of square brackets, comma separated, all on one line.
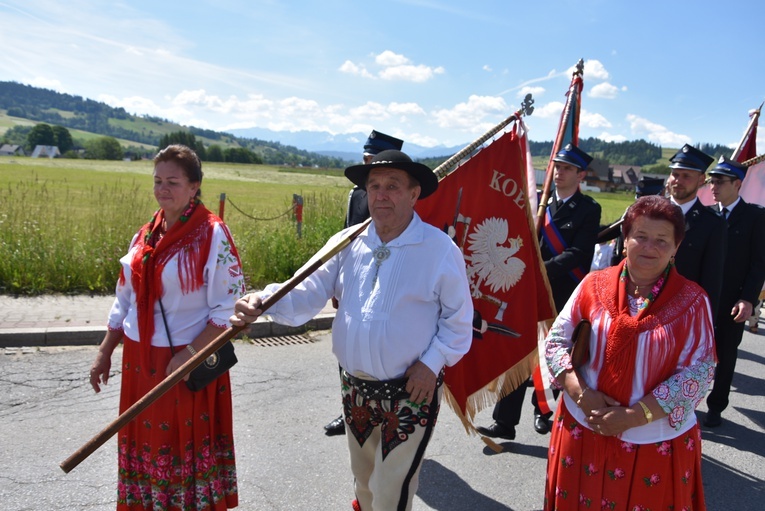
[(625, 278)]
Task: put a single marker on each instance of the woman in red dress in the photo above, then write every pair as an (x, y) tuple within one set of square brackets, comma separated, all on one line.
[(625, 435), (178, 454)]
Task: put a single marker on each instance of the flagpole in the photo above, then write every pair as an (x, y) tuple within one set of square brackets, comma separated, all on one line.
[(747, 133), (202, 355), (753, 161), (578, 72), (526, 109)]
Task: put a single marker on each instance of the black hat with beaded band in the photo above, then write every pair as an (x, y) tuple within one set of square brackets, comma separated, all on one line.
[(572, 155), (392, 158), (730, 168), (377, 142), (690, 158)]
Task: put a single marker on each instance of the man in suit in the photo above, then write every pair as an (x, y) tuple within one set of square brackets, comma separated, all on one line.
[(701, 254), (357, 212), (568, 243), (743, 276)]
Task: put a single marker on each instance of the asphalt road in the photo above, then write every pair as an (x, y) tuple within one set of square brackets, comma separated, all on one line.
[(283, 395)]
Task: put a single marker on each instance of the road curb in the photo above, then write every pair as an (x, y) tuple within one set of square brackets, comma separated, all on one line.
[(93, 335)]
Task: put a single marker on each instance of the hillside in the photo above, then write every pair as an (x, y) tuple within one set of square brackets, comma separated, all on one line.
[(26, 105)]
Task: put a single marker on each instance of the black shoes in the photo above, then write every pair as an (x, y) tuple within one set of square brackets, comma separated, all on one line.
[(713, 419), (541, 424), (497, 430), (336, 427)]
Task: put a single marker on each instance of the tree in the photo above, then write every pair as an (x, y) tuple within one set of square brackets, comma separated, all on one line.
[(215, 153), (41, 134), (63, 139), (103, 148)]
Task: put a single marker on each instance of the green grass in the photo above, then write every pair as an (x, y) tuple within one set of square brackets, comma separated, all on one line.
[(64, 224)]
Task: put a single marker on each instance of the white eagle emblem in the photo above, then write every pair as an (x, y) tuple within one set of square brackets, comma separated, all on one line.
[(492, 255)]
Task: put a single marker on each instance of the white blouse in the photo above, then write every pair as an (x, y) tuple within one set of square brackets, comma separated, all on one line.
[(187, 314)]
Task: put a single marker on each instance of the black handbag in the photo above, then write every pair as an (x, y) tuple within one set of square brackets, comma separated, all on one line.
[(214, 366)]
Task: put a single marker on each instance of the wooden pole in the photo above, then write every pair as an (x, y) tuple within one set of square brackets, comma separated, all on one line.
[(177, 375), (221, 205), (546, 189)]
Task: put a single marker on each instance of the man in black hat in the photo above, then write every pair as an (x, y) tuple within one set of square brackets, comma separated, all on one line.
[(743, 276), (404, 313), (357, 198), (702, 252), (568, 243), (357, 212)]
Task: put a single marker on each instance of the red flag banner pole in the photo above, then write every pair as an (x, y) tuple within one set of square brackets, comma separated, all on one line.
[(747, 147), (568, 119)]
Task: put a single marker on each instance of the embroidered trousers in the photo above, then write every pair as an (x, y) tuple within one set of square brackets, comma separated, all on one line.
[(387, 439)]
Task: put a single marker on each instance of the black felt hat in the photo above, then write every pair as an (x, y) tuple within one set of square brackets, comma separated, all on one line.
[(392, 158)]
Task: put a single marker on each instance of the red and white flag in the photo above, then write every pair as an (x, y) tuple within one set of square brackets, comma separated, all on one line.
[(484, 206)]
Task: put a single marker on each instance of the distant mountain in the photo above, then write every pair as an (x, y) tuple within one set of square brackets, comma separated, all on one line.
[(347, 145)]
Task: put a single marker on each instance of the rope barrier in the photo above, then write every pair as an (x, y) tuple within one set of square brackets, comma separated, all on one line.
[(259, 219)]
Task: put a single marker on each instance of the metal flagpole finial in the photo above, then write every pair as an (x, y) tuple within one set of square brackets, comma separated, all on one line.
[(527, 105), (579, 67)]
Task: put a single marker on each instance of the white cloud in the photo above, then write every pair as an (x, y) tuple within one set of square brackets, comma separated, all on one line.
[(611, 138), (595, 69), (353, 69), (603, 90), (534, 91), (593, 120), (390, 59), (656, 132), (553, 109), (417, 74), (394, 67), (406, 109), (472, 115), (487, 68)]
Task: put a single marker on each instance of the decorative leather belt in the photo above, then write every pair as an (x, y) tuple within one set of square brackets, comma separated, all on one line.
[(382, 389)]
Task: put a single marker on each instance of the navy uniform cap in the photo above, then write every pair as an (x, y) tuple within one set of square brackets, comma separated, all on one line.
[(731, 168), (690, 158), (649, 186), (378, 142), (572, 155)]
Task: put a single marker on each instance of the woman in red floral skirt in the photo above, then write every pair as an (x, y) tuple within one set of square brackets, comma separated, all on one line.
[(181, 275), (625, 435)]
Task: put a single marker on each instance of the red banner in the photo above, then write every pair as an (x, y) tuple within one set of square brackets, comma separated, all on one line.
[(484, 207)]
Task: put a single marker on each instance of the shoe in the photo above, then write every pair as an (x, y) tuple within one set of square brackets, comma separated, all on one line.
[(713, 419), (497, 430), (336, 427), (753, 329), (541, 425)]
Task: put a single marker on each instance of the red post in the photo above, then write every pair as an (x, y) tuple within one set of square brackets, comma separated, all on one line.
[(221, 205)]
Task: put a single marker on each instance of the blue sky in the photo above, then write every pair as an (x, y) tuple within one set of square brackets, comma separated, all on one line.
[(430, 72)]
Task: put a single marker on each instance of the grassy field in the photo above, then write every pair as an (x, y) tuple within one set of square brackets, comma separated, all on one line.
[(65, 223)]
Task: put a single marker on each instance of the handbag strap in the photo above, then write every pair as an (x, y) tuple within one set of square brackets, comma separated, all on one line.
[(167, 330)]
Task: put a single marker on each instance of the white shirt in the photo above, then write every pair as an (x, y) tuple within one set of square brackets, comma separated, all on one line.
[(418, 308), (187, 314)]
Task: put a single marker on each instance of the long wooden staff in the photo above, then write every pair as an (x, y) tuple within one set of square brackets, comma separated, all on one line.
[(177, 375), (526, 109), (547, 187)]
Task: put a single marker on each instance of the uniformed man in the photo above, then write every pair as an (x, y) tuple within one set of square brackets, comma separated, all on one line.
[(702, 252), (743, 277)]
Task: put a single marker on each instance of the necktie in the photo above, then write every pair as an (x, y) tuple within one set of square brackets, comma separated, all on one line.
[(725, 213)]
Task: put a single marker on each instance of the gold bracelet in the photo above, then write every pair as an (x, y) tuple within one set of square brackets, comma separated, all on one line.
[(191, 349), (646, 412)]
